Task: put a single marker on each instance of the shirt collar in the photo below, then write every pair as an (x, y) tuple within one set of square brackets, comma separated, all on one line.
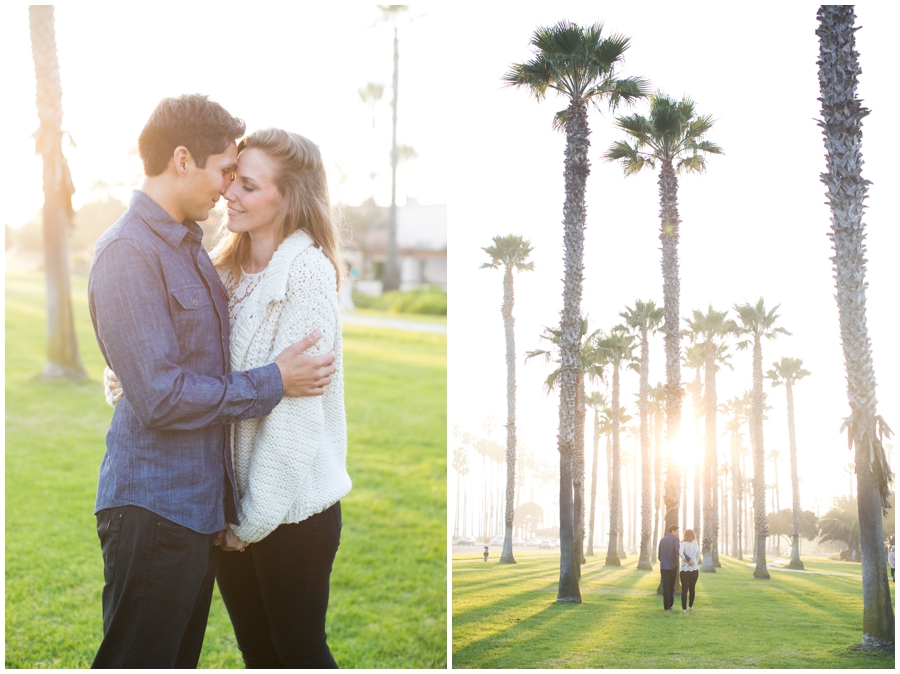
[(169, 229)]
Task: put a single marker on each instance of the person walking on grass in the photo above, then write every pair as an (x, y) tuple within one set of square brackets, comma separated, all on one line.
[(668, 566), (891, 562), (689, 552)]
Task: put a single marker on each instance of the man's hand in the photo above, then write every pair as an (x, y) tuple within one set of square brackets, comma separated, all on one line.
[(303, 375), (228, 540)]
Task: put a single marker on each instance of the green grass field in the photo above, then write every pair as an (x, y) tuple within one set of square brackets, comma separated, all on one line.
[(388, 602), (505, 616)]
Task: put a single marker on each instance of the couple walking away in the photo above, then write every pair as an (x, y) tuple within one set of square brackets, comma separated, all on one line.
[(670, 552), (226, 456)]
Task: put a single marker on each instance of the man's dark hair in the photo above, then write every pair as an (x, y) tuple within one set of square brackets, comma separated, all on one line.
[(672, 528), (191, 120)]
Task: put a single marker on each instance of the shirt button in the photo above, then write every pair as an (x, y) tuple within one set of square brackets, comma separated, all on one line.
[(195, 303)]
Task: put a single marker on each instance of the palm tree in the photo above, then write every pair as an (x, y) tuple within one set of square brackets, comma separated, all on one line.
[(841, 523), (642, 320), (657, 409), (579, 63), (461, 466), (842, 114), (673, 135), (370, 95), (597, 401), (774, 455), (738, 408), (694, 357), (709, 330), (63, 360), (758, 324), (391, 274), (788, 371), (511, 252)]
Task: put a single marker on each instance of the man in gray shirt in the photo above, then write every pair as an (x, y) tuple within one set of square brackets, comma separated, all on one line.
[(668, 565)]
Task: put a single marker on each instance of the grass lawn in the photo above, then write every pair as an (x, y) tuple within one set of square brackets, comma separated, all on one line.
[(388, 588), (505, 616)]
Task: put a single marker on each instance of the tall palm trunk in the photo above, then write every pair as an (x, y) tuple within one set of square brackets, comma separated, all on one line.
[(735, 494), (668, 234), (696, 389), (614, 553), (506, 557), (710, 469), (795, 481), (63, 360), (590, 543), (577, 168), (391, 275), (759, 464), (842, 115), (646, 475)]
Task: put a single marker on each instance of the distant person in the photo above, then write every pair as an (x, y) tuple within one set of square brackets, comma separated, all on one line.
[(891, 561), (668, 566), (689, 552), (160, 313)]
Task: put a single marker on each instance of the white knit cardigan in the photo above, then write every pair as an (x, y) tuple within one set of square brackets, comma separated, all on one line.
[(292, 463)]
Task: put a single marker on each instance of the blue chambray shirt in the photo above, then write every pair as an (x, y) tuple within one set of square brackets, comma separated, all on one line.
[(160, 314)]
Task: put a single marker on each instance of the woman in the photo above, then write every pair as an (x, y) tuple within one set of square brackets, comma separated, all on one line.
[(278, 256), (689, 552)]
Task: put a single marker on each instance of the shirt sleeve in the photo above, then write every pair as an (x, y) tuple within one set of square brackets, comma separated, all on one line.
[(137, 336), (289, 439)]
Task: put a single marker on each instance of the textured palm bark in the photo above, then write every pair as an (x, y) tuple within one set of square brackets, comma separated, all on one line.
[(506, 557), (696, 390), (578, 471), (63, 360), (646, 476), (759, 464), (842, 114), (615, 553), (390, 277), (590, 543), (577, 169), (710, 468), (668, 235), (795, 481)]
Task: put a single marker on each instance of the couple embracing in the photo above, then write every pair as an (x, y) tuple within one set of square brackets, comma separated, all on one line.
[(226, 456)]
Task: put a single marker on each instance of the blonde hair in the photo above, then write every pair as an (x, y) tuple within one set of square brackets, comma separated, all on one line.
[(301, 181), (689, 535)]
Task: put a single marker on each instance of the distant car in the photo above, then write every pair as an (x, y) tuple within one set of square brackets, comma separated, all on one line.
[(546, 544), (518, 542), (533, 543), (496, 540), (465, 540)]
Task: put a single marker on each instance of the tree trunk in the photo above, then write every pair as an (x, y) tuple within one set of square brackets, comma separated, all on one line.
[(390, 279), (668, 234), (735, 493), (506, 557), (699, 464), (63, 360), (590, 543), (646, 477), (759, 465), (710, 474), (615, 553), (795, 482), (842, 115), (577, 168), (657, 479)]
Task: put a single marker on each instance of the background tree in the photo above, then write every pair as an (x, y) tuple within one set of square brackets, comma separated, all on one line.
[(758, 324), (842, 114), (673, 135), (642, 320), (841, 524), (597, 402), (529, 516), (63, 360), (581, 64), (788, 371), (694, 357), (461, 466), (370, 95), (781, 524), (739, 410), (710, 330), (510, 252), (657, 409)]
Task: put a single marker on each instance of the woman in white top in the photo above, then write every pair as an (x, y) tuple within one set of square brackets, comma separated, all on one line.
[(689, 552), (278, 256)]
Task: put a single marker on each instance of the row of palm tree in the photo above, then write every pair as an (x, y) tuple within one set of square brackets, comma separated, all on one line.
[(582, 65)]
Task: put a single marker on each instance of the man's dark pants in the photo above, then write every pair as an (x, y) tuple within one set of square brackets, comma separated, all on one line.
[(669, 577), (158, 587)]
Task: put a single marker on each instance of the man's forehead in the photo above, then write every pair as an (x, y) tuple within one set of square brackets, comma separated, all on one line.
[(227, 159)]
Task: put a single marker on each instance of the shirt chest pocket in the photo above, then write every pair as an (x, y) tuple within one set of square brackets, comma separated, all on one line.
[(194, 319)]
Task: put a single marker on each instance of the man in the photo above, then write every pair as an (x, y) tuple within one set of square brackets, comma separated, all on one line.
[(668, 566), (160, 314)]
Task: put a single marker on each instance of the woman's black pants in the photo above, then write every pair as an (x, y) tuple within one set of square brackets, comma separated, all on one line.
[(276, 593), (688, 583)]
